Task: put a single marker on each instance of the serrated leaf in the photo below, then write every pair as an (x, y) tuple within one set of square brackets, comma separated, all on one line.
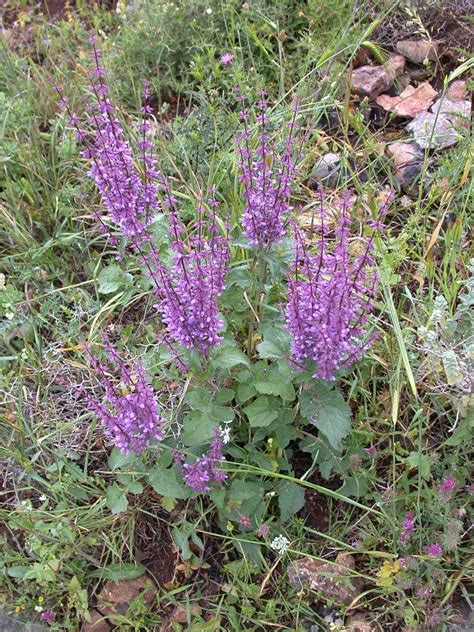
[(197, 428), (273, 382), (116, 499), (420, 462), (224, 395), (325, 408), (245, 392), (112, 278), (243, 490), (168, 503), (227, 356), (276, 341), (355, 486), (166, 483), (118, 459), (290, 499), (261, 412)]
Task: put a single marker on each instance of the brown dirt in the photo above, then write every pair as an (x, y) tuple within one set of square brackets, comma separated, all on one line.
[(447, 23), (155, 549)]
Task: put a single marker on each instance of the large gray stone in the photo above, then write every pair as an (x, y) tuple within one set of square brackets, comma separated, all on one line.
[(418, 50), (432, 131), (326, 171)]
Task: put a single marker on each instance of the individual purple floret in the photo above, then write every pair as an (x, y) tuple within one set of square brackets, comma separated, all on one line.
[(330, 296), (267, 177), (206, 469), (128, 408), (189, 288)]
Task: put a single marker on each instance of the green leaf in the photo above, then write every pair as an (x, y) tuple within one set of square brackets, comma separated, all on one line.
[(167, 483), (112, 279), (118, 459), (168, 503), (116, 572), (224, 395), (420, 462), (325, 408), (276, 341), (227, 356), (197, 428), (274, 381), (116, 499), (243, 490), (199, 398), (354, 486), (262, 411), (131, 485), (245, 392), (18, 572), (290, 499)]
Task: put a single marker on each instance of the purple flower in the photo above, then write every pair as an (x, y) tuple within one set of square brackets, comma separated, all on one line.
[(206, 469), (446, 488), (330, 297), (197, 475), (128, 194), (371, 451), (47, 616), (424, 592), (128, 408), (245, 521), (434, 550), (267, 176), (189, 288), (408, 527), (227, 58), (263, 531)]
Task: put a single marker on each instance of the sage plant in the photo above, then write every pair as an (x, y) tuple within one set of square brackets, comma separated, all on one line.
[(188, 288)]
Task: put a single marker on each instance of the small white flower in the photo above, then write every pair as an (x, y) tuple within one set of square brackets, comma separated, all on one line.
[(9, 315), (38, 609), (225, 434), (42, 497), (280, 544), (208, 10)]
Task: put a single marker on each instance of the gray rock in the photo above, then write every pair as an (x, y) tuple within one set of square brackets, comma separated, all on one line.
[(432, 131), (326, 171), (418, 50), (336, 582), (458, 112), (12, 624), (370, 81)]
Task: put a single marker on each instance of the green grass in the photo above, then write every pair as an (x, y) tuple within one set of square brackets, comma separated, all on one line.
[(62, 532)]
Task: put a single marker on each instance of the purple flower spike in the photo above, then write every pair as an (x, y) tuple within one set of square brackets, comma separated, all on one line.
[(188, 290), (206, 469), (128, 409), (330, 297), (267, 177)]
